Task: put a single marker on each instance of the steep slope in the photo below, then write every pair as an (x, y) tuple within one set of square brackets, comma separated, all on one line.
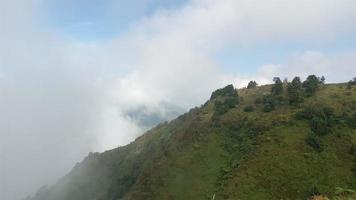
[(229, 149)]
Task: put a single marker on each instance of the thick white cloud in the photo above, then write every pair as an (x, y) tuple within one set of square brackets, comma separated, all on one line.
[(339, 67), (61, 98)]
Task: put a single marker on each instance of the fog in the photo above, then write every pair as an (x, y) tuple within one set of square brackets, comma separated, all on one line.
[(62, 97)]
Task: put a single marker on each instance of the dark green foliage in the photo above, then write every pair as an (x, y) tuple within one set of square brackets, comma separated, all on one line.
[(352, 150), (230, 99), (320, 125), (231, 102), (313, 191), (322, 80), (227, 91), (248, 108), (294, 91), (311, 85), (315, 142), (277, 87), (222, 107), (252, 84), (352, 82), (351, 120), (269, 103), (316, 111), (321, 118)]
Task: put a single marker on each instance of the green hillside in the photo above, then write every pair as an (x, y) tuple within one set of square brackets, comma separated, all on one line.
[(281, 141)]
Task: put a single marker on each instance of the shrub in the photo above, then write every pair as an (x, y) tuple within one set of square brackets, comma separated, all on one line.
[(314, 141), (231, 102), (248, 108), (252, 84), (294, 91), (321, 118), (222, 107), (269, 103), (277, 87), (322, 80), (311, 85), (320, 126), (351, 120), (227, 91), (315, 111)]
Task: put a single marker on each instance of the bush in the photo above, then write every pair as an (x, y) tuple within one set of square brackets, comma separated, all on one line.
[(315, 111), (222, 107), (314, 141), (277, 87), (311, 85), (351, 120), (248, 108), (231, 102), (294, 91), (320, 126), (252, 84), (321, 118), (228, 91), (269, 103)]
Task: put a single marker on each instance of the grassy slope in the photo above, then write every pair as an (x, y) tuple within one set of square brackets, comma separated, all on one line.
[(238, 155)]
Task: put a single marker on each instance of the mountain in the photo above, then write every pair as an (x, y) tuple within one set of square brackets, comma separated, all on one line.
[(255, 143)]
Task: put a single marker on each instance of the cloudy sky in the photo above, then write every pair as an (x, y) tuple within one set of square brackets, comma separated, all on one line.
[(79, 76)]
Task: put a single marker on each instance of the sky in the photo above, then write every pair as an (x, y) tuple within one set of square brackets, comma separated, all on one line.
[(87, 76)]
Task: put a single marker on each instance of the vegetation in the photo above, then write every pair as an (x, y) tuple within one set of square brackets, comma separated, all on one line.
[(226, 150), (269, 103), (315, 142), (228, 91), (252, 84), (225, 99), (248, 108), (294, 91), (277, 88), (311, 85)]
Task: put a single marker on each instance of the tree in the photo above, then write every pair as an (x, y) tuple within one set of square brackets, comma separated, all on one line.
[(311, 85), (277, 88), (252, 84), (322, 80), (294, 91), (227, 91)]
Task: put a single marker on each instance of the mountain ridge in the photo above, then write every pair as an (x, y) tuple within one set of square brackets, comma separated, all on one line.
[(231, 147)]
